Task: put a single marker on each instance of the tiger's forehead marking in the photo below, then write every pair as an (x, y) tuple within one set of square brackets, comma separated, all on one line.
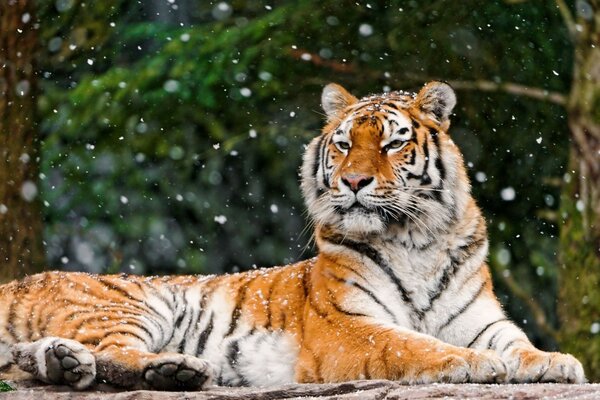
[(386, 113)]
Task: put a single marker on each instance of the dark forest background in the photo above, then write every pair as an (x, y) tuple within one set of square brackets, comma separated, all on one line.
[(165, 136)]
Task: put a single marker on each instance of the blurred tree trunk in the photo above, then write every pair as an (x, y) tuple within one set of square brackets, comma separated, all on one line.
[(21, 250), (580, 203)]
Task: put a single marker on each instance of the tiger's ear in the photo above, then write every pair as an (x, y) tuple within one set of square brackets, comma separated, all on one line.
[(335, 99), (436, 99)]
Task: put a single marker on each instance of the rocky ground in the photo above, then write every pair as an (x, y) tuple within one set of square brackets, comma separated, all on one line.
[(359, 390)]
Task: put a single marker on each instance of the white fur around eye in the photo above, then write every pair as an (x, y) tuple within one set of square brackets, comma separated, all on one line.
[(403, 134)]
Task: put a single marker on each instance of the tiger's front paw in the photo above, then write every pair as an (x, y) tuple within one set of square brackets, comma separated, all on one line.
[(473, 366), (486, 367), (527, 365)]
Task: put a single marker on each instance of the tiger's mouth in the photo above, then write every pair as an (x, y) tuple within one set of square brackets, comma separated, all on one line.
[(356, 207), (360, 211), (360, 218)]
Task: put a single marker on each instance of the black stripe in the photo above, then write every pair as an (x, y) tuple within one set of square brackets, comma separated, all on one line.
[(38, 319), (274, 282), (316, 156), (442, 285), (355, 272), (38, 309), (269, 312), (324, 148), (43, 326), (131, 321), (368, 292), (141, 313), (481, 332), (101, 346), (305, 283), (433, 133), (439, 165), (232, 358), (178, 325), (134, 302), (493, 338), (20, 292), (141, 326), (339, 308), (373, 255), (283, 317), (179, 319), (474, 243), (463, 308), (413, 157), (7, 366), (425, 178), (10, 322), (314, 305), (195, 319), (237, 311), (112, 286), (156, 293), (509, 345), (203, 338)]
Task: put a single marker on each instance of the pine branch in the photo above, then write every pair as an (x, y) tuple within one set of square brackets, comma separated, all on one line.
[(511, 88), (568, 18), (480, 85)]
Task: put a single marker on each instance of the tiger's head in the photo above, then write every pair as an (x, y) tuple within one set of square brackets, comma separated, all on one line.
[(385, 160)]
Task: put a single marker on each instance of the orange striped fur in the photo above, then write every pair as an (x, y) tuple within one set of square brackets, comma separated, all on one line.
[(400, 288)]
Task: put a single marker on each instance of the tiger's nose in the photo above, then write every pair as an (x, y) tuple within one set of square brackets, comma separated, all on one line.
[(356, 181)]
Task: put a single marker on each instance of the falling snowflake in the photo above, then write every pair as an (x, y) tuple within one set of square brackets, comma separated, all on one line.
[(220, 219)]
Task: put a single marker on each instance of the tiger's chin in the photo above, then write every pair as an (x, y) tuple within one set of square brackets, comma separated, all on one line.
[(360, 222)]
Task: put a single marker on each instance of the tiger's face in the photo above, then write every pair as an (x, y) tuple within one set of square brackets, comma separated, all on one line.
[(380, 161)]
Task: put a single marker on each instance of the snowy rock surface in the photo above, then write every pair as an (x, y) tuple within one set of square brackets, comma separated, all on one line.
[(359, 390)]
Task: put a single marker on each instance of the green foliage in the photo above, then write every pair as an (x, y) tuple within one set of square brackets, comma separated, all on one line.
[(5, 387), (173, 127)]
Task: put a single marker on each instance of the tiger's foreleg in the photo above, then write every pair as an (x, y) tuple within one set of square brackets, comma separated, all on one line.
[(483, 325), (353, 348)]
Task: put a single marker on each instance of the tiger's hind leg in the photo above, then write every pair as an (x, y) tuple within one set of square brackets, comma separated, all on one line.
[(133, 368), (57, 361)]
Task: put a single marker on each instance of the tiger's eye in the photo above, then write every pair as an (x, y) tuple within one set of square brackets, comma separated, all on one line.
[(395, 144), (342, 145)]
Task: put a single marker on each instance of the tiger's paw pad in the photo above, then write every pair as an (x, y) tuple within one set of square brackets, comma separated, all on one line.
[(178, 372), (57, 361), (539, 366)]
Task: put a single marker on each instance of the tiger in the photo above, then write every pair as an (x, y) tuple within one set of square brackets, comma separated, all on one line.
[(399, 289)]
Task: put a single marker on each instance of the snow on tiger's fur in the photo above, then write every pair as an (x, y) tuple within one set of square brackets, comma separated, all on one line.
[(400, 288)]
